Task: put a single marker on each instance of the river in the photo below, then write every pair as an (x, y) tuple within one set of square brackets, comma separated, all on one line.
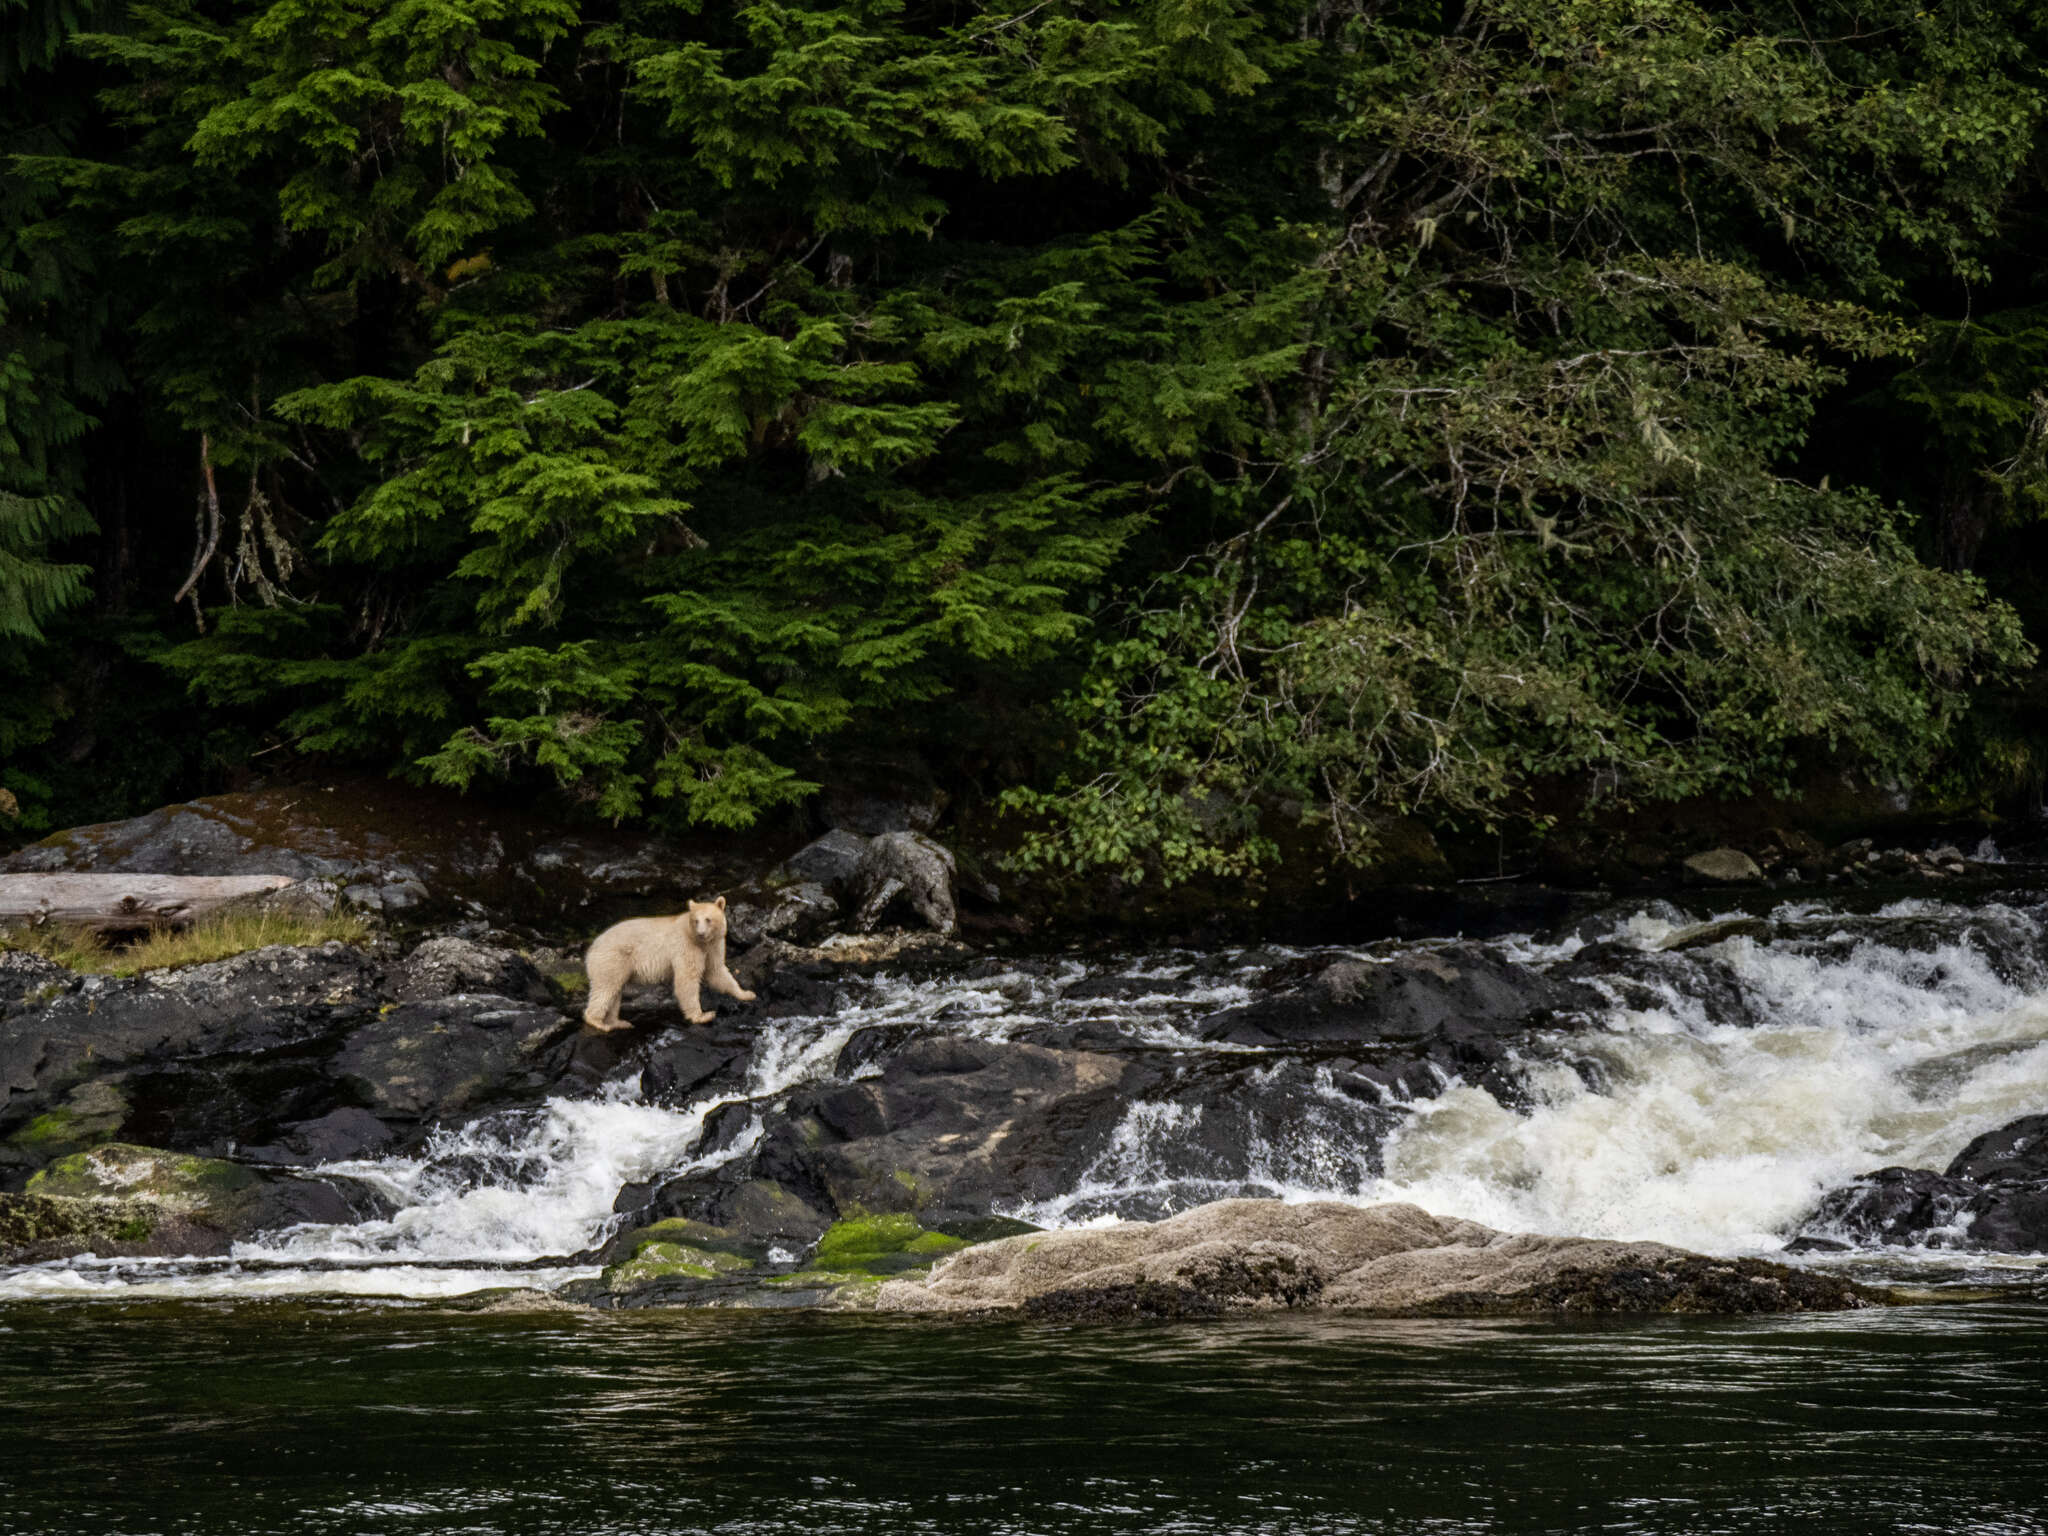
[(190, 1419)]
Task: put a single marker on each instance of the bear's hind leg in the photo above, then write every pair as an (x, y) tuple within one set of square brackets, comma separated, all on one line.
[(603, 1010), (608, 977)]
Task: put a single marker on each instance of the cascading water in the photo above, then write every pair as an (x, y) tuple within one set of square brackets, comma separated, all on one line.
[(1719, 1136), (1678, 1115)]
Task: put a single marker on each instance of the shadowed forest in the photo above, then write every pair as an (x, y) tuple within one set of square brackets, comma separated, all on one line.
[(1192, 425)]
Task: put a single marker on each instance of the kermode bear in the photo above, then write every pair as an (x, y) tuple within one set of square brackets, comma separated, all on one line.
[(688, 949)]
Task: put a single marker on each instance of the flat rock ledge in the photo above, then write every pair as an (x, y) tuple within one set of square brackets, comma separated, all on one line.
[(1262, 1255)]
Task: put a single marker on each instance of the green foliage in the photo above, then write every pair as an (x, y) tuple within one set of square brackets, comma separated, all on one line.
[(1346, 410), (1527, 522)]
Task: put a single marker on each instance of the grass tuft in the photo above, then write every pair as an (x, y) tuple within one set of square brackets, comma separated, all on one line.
[(214, 938)]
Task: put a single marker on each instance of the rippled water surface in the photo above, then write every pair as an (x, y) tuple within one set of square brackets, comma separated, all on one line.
[(296, 1417)]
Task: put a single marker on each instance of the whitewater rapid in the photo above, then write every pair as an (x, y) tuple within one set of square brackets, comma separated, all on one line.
[(1665, 1122), (1720, 1136)]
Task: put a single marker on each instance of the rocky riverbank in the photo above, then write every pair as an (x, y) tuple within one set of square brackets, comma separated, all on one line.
[(905, 1117)]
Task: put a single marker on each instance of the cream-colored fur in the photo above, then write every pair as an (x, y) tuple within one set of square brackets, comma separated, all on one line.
[(688, 949)]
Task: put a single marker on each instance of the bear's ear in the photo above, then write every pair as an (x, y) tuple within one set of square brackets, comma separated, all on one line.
[(721, 903)]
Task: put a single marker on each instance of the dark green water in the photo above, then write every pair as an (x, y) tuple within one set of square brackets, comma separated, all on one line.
[(289, 1418)]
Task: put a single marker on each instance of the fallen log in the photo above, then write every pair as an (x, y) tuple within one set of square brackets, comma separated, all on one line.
[(125, 901)]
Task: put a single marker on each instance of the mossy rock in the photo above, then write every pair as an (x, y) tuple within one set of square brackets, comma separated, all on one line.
[(681, 1248), (868, 1246), (34, 1227), (174, 1179)]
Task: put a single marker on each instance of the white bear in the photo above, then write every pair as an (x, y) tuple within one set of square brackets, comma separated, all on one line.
[(688, 949)]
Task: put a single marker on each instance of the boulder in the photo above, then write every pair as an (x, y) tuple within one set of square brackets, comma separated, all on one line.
[(119, 1199), (1406, 998), (167, 1049), (340, 1135), (2013, 1153), (830, 861), (1724, 866), (1992, 1199), (947, 1128), (800, 913), (905, 876), (443, 967), (1264, 1255), (437, 1060)]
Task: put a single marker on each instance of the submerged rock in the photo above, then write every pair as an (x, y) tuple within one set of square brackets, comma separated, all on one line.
[(1240, 1255)]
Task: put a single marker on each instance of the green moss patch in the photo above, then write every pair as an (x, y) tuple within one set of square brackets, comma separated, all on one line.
[(92, 1113), (877, 1246)]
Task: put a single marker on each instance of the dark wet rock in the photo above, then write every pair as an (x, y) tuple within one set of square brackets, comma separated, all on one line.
[(830, 861), (789, 982), (128, 1200), (948, 1128), (2011, 942), (340, 1135), (1719, 931), (801, 913), (1405, 999), (2010, 1217), (1890, 1206), (1649, 979), (1993, 1198), (2015, 1153), (179, 1045), (1608, 923), (677, 1069), (435, 1060), (442, 967), (905, 878)]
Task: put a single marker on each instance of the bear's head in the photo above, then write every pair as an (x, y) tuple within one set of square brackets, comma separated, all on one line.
[(705, 921)]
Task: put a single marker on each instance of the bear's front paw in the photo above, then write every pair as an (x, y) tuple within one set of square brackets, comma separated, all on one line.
[(699, 1018), (744, 996)]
